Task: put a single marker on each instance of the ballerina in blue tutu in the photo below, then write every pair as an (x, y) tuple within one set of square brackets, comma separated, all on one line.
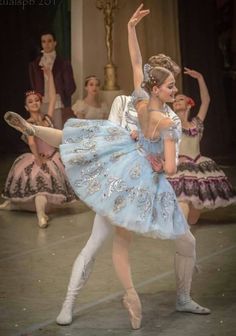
[(116, 176)]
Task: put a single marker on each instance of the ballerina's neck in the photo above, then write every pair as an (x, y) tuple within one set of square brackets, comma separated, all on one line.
[(93, 101), (183, 116), (36, 118), (156, 109)]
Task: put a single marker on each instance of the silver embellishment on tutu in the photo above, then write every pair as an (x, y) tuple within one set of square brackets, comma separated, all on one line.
[(89, 174), (135, 172), (93, 186), (119, 204), (144, 201), (70, 140), (88, 132), (115, 185), (88, 145), (167, 204), (116, 156), (78, 159), (132, 194), (113, 134)]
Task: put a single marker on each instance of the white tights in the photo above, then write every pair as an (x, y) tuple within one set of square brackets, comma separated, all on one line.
[(185, 245), (101, 230)]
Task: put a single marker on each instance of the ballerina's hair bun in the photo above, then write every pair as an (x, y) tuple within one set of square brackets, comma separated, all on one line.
[(164, 61)]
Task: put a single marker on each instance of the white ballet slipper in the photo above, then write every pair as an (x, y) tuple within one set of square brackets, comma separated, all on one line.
[(192, 307), (184, 267), (79, 276)]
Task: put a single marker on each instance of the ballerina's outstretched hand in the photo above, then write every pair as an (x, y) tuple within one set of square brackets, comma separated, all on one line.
[(192, 73), (137, 16)]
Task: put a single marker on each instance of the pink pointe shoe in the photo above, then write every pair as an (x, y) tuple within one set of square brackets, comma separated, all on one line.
[(43, 222), (6, 205), (16, 121), (132, 303)]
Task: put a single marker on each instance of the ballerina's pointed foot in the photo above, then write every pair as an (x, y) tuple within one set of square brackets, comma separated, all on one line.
[(192, 307), (43, 222), (132, 303), (16, 121), (6, 205)]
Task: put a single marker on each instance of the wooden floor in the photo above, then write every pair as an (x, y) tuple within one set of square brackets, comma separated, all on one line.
[(35, 265)]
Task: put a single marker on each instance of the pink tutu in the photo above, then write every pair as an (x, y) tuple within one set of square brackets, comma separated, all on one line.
[(199, 180), (202, 183), (26, 179)]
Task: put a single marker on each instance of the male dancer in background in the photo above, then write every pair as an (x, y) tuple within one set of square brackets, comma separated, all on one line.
[(62, 75)]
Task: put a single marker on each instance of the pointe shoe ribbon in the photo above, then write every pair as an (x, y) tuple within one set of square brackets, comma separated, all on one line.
[(16, 121)]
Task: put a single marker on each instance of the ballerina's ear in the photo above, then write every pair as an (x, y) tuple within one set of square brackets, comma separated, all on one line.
[(156, 90)]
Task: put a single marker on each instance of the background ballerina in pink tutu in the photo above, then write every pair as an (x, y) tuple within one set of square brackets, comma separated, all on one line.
[(199, 182), (37, 180)]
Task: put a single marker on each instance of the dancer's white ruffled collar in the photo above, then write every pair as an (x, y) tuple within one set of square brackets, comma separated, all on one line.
[(48, 59)]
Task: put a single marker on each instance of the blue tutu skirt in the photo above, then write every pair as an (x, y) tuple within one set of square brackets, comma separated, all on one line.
[(110, 173)]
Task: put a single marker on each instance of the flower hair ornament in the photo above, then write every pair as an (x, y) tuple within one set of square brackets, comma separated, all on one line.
[(146, 69), (147, 76), (32, 92), (190, 102)]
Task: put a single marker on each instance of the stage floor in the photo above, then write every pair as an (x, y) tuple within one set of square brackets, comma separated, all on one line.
[(35, 266)]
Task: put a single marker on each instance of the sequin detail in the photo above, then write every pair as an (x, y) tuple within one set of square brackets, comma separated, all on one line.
[(135, 172), (116, 156), (119, 204), (144, 202), (115, 185), (114, 134), (167, 203)]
